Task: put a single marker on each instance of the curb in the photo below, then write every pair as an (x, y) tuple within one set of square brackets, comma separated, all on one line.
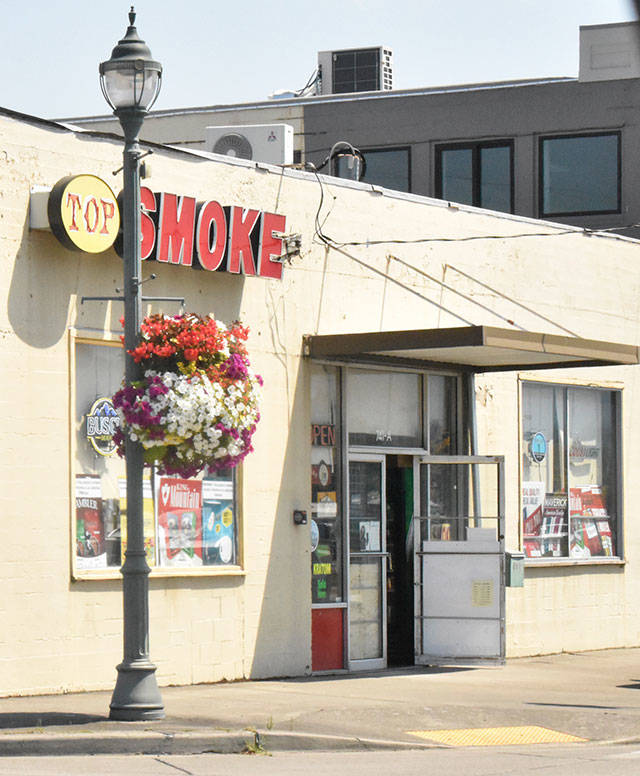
[(227, 742)]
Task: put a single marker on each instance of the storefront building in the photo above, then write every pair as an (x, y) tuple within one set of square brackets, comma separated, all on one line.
[(442, 385)]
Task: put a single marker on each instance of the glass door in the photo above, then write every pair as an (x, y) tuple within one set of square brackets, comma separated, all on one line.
[(459, 559), (367, 563)]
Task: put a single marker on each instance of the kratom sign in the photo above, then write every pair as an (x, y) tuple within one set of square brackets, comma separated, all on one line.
[(176, 229)]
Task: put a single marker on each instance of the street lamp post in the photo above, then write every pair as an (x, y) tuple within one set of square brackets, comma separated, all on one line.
[(130, 82)]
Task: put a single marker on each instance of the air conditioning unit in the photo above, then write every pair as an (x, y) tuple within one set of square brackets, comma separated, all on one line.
[(270, 143), (356, 70)]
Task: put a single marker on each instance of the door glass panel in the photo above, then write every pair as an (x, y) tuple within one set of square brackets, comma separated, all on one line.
[(365, 608), (439, 501), (365, 573), (442, 414), (383, 408), (365, 513)]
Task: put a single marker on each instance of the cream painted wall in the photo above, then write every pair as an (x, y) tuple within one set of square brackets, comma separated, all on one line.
[(61, 635)]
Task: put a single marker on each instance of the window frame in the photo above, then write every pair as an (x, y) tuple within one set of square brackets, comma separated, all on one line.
[(381, 149), (617, 390), (476, 146), (109, 339), (576, 213)]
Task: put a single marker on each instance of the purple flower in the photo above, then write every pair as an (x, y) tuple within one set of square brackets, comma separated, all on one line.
[(235, 367)]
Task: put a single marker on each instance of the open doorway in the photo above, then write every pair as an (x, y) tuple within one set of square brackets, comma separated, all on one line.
[(400, 593)]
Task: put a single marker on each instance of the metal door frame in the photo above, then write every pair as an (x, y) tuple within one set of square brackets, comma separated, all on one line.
[(369, 664), (448, 547)]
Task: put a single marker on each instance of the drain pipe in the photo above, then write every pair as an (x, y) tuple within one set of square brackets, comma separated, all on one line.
[(473, 441)]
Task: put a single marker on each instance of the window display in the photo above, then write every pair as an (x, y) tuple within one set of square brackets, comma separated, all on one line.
[(188, 523), (326, 518), (570, 490)]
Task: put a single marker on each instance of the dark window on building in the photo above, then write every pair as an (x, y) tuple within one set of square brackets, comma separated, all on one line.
[(580, 174), (388, 167), (479, 174), (356, 71)]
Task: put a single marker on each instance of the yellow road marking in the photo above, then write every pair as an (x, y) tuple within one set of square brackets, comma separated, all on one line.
[(498, 736)]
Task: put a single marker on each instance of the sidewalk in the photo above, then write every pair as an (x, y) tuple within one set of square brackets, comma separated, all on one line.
[(591, 695)]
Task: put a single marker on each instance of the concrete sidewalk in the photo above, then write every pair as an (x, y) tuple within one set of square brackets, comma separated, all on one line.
[(591, 695)]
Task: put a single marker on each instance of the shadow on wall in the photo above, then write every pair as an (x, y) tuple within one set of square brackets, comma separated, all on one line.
[(43, 279), (48, 282), (283, 638)]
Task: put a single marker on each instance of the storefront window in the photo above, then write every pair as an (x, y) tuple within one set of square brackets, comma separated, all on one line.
[(326, 517), (383, 408), (187, 523), (569, 471)]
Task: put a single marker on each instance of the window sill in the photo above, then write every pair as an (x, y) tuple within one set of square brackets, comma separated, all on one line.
[(564, 562), (100, 575)]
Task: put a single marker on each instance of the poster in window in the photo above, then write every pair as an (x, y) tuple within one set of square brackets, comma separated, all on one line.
[(90, 534), (533, 494), (590, 523), (218, 524), (148, 517), (179, 522), (326, 504), (369, 535), (554, 524)]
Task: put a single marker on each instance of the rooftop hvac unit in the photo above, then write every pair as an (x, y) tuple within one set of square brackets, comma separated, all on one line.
[(270, 143), (356, 70)]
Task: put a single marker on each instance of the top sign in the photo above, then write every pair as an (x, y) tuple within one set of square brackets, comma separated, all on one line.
[(176, 229), (83, 213)]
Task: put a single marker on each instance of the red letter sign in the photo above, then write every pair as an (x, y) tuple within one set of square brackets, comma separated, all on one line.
[(241, 224), (211, 235), (177, 222), (270, 246)]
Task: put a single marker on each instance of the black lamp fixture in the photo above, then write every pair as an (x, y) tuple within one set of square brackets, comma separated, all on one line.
[(130, 82), (131, 79)]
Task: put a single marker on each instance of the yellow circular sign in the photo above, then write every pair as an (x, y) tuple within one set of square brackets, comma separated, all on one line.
[(83, 213)]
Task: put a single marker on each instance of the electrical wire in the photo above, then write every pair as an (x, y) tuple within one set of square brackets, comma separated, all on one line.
[(334, 152), (313, 80), (610, 233), (330, 244), (339, 247)]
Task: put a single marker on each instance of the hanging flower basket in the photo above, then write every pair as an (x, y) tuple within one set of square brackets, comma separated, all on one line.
[(196, 407)]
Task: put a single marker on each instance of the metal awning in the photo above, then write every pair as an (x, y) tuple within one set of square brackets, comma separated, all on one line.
[(469, 348)]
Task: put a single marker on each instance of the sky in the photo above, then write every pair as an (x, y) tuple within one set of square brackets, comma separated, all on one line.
[(216, 53)]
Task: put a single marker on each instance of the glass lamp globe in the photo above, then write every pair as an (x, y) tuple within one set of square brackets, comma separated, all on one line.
[(131, 79)]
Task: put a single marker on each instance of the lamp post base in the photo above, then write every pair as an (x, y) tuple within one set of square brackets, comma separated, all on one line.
[(136, 696)]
